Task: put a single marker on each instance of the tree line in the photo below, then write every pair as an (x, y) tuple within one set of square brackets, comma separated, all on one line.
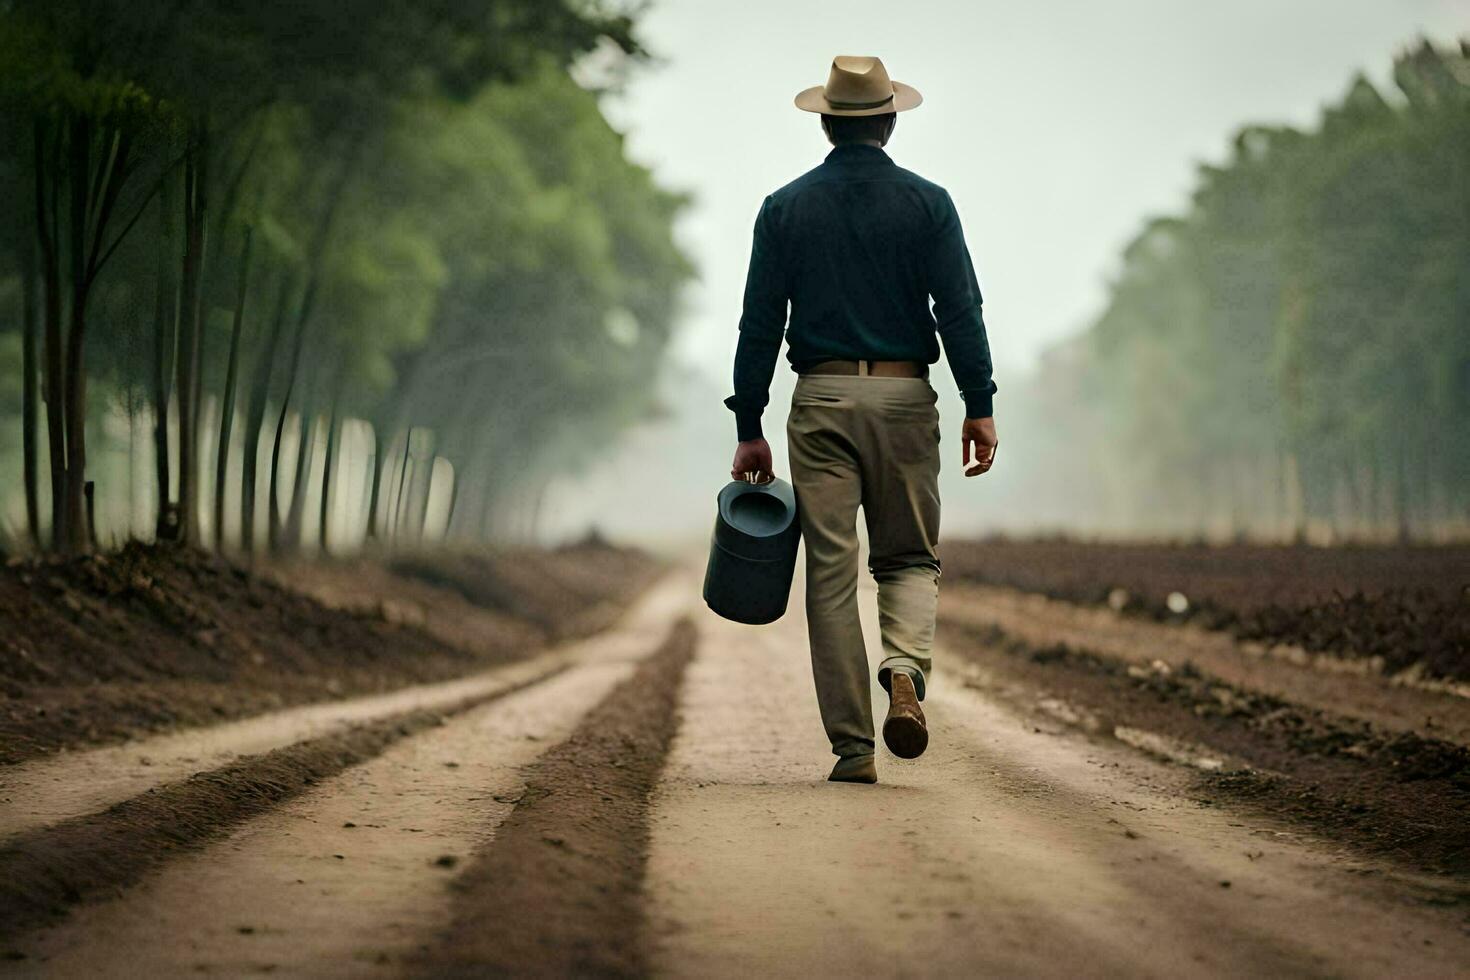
[(298, 269), (1291, 355)]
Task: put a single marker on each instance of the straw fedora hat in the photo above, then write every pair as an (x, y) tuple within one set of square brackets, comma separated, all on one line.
[(858, 86)]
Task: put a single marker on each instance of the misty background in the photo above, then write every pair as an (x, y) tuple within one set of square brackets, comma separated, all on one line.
[(1058, 127), (474, 274)]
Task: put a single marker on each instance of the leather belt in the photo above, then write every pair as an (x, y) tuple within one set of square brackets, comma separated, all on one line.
[(876, 369)]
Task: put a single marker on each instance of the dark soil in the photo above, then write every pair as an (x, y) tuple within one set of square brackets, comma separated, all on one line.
[(45, 871), (1404, 630), (150, 638), (1400, 795), (558, 893), (555, 591), (1409, 606)]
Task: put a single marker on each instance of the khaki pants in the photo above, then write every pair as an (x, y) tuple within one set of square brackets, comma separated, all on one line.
[(871, 442)]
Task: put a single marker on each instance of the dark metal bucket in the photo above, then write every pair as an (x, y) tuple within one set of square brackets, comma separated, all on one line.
[(752, 555)]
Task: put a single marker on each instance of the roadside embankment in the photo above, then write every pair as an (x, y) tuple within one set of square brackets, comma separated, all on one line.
[(1398, 609), (150, 639)]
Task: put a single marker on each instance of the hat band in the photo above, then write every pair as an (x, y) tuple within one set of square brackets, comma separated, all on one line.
[(857, 105)]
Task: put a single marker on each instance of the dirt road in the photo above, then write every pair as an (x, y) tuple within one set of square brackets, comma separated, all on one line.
[(626, 808)]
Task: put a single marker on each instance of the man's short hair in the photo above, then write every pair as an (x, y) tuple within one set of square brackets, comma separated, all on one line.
[(852, 129)]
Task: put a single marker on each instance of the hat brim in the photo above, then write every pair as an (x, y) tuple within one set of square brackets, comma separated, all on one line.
[(905, 97)]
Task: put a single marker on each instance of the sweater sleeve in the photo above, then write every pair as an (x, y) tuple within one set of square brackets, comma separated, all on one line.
[(958, 315), (762, 327)]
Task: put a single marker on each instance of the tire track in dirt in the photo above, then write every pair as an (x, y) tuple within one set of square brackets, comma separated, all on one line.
[(354, 876), (46, 870), (48, 790), (1008, 849), (559, 890), (1391, 793), (56, 788)]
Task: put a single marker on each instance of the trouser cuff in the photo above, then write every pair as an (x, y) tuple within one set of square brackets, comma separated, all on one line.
[(906, 664)]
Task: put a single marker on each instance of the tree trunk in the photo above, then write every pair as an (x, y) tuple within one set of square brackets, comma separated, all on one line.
[(305, 457), (187, 363), (274, 510), (381, 449), (422, 486), (77, 539), (52, 352), (89, 508), (316, 251), (395, 512), (421, 506), (274, 522), (453, 502), (165, 343), (255, 417), (227, 407), (132, 406), (30, 394), (190, 311), (333, 424), (93, 197)]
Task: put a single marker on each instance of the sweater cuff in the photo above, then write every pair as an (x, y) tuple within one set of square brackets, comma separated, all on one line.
[(979, 404), (748, 426)]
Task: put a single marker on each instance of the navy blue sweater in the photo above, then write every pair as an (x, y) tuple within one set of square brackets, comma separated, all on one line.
[(857, 246)]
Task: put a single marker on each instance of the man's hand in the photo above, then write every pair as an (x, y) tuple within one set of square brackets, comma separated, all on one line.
[(752, 462), (979, 443)]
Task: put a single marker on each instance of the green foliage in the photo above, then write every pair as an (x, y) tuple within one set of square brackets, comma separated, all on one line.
[(441, 219), (583, 240), (1297, 345)]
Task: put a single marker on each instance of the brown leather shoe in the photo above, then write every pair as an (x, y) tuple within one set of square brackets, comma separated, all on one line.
[(854, 769), (904, 731)]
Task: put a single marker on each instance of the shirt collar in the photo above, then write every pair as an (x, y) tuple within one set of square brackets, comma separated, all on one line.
[(858, 153)]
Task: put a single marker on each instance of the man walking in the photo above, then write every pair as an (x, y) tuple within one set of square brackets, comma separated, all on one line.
[(857, 247)]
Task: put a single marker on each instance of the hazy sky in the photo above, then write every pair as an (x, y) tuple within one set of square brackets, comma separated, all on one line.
[(1057, 125)]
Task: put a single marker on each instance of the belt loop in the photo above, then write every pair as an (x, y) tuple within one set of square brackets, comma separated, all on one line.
[(863, 368)]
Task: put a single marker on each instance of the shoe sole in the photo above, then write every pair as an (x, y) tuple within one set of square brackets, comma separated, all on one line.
[(905, 736), (854, 774), (868, 779)]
